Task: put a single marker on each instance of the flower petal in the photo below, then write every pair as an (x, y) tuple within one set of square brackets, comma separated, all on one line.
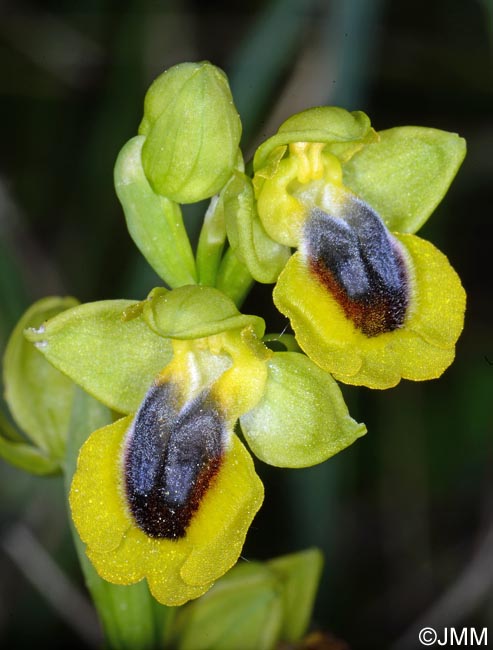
[(354, 256), (176, 569), (158, 560), (441, 299), (96, 499), (329, 124), (217, 533), (421, 349)]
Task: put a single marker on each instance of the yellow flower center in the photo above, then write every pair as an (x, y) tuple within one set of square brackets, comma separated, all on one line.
[(315, 164)]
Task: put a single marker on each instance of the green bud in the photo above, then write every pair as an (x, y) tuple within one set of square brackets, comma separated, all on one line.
[(192, 132)]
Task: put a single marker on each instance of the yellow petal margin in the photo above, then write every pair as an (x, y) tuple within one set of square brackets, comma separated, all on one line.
[(421, 349), (177, 571)]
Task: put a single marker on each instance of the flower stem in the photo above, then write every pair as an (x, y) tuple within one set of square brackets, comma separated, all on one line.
[(234, 278), (211, 243)]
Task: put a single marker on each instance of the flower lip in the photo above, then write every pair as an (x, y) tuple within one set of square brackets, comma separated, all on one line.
[(171, 458), (358, 261)]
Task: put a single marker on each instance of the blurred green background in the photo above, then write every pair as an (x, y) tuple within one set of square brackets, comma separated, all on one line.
[(405, 516)]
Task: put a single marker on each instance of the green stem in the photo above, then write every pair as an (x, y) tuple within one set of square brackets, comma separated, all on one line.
[(233, 278), (130, 618), (211, 243)]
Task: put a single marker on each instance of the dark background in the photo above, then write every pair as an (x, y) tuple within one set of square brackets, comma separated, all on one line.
[(405, 515)]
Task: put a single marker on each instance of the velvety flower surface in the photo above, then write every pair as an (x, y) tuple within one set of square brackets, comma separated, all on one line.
[(169, 493), (367, 303), (177, 568), (420, 347)]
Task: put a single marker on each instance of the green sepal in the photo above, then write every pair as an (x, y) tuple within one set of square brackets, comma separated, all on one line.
[(344, 132), (28, 458), (195, 312), (242, 610), (300, 575), (405, 175), (154, 222), (263, 257), (302, 418), (39, 396), (106, 348), (193, 131)]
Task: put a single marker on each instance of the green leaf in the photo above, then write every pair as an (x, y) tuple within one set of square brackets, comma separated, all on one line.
[(242, 610), (329, 124), (263, 256), (405, 175), (253, 607), (300, 575), (39, 396), (302, 418), (192, 132), (154, 222), (27, 457), (107, 348), (195, 312)]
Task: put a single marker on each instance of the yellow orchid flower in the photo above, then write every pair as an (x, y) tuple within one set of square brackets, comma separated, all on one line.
[(368, 305), (169, 493)]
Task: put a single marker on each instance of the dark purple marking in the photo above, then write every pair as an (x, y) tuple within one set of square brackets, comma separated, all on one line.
[(171, 458), (355, 258)]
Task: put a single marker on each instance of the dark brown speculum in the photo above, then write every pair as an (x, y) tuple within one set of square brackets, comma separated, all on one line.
[(171, 458), (357, 260)]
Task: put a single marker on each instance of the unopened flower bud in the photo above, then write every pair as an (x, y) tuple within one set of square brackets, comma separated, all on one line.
[(192, 132)]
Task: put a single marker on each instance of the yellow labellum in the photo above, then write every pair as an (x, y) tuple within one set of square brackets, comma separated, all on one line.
[(421, 349), (176, 570)]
